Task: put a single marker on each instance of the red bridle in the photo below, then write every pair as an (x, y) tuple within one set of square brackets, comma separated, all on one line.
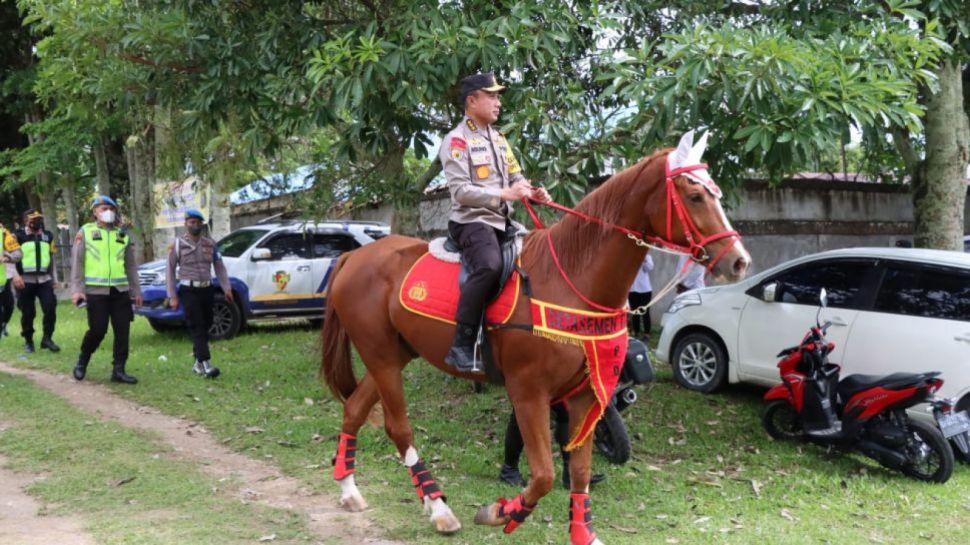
[(696, 241)]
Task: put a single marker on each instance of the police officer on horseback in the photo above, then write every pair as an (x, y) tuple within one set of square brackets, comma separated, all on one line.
[(483, 177)]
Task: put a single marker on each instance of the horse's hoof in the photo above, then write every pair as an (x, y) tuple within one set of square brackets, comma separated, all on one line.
[(446, 524), (354, 504), (488, 515)]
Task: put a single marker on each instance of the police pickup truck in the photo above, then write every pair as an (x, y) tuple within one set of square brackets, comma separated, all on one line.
[(277, 270)]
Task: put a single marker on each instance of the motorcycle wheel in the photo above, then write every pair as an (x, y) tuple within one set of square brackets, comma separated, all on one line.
[(934, 466), (781, 422), (611, 438)]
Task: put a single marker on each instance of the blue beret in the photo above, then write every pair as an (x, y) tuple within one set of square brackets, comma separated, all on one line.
[(194, 213), (103, 199)]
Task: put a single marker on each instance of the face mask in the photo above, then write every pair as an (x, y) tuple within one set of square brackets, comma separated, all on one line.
[(194, 230), (36, 225), (108, 216)]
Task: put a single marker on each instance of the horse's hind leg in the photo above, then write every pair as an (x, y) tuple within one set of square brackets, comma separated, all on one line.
[(390, 383), (356, 409)]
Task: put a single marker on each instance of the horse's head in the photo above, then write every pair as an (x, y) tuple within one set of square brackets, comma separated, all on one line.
[(694, 218)]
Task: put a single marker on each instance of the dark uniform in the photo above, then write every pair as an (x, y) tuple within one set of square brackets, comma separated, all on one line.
[(196, 256), (105, 275), (38, 272), (478, 164)]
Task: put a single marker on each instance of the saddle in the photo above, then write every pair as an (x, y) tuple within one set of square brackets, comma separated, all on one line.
[(433, 285)]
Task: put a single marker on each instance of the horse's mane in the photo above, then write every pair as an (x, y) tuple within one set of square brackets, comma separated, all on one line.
[(574, 234)]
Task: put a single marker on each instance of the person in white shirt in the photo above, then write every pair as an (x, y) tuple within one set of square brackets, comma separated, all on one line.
[(695, 275), (640, 294)]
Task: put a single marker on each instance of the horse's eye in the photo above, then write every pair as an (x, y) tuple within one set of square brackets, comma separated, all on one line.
[(695, 198)]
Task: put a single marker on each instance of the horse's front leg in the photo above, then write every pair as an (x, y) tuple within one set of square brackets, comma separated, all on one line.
[(532, 416), (580, 468), (398, 428)]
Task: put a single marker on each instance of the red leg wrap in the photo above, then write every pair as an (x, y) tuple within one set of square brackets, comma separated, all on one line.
[(580, 520), (424, 483), (517, 511), (343, 463)]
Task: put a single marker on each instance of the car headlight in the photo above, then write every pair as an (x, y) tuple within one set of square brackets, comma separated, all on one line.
[(159, 279), (685, 300)]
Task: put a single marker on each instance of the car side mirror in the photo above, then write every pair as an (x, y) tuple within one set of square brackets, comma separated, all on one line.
[(769, 292), (261, 254)]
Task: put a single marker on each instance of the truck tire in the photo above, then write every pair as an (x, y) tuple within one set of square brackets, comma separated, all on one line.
[(227, 319)]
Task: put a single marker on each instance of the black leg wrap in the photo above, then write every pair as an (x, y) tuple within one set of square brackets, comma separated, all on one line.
[(424, 483)]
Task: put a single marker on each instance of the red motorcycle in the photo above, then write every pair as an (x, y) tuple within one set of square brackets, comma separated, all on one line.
[(864, 413)]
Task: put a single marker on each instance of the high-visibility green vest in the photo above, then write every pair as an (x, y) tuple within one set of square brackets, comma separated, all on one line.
[(104, 256), (3, 248), (32, 262)]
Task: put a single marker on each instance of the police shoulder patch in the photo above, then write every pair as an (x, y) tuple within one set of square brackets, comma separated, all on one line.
[(458, 142)]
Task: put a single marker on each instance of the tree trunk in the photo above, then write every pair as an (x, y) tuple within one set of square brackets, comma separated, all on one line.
[(69, 195), (48, 200), (391, 171), (140, 153), (101, 165), (939, 183)]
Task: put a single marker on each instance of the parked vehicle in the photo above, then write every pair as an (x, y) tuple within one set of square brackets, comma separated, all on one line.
[(865, 413), (277, 270), (892, 310)]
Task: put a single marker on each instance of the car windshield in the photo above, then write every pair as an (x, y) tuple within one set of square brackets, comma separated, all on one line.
[(234, 244)]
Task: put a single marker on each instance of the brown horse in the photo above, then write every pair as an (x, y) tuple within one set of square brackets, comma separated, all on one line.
[(599, 259)]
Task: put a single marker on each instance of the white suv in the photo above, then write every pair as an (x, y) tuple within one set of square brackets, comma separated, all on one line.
[(276, 269), (892, 309)]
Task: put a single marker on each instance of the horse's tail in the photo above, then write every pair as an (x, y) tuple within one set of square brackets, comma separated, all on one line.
[(336, 365)]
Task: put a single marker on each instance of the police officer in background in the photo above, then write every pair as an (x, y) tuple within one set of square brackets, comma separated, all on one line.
[(196, 256), (105, 275), (38, 272), (10, 253), (483, 176)]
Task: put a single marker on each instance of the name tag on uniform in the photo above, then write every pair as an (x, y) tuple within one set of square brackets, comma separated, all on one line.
[(482, 157), (96, 235)]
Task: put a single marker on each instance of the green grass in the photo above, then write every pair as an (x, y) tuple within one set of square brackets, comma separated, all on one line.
[(122, 483), (703, 470)]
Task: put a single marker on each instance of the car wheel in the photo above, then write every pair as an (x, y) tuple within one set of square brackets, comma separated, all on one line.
[(227, 319), (162, 326), (699, 363)]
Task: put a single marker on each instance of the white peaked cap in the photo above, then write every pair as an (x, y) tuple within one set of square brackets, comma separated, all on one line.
[(689, 154)]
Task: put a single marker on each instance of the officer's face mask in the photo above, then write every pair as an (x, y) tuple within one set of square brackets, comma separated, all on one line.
[(36, 225), (107, 216), (194, 230)]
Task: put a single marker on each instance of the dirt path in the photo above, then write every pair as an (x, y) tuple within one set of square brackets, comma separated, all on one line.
[(20, 523), (257, 481)]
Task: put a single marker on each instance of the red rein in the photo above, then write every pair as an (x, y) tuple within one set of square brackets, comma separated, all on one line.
[(696, 241)]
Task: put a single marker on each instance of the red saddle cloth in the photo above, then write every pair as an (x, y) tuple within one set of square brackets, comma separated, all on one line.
[(430, 289)]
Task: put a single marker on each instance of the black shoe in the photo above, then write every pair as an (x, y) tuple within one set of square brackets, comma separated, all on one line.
[(594, 479), (118, 375), (47, 343), (461, 355), (29, 347), (208, 370), (511, 475), (80, 368)]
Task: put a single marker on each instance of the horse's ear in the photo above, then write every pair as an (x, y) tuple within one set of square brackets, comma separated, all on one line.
[(681, 156), (697, 150)]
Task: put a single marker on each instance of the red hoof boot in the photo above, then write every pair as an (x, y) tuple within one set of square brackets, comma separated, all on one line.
[(516, 510), (580, 520)]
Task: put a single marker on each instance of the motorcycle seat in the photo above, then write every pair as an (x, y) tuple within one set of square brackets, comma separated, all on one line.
[(854, 384)]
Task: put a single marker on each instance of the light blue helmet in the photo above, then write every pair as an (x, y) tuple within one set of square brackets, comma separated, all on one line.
[(103, 199), (191, 213)]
